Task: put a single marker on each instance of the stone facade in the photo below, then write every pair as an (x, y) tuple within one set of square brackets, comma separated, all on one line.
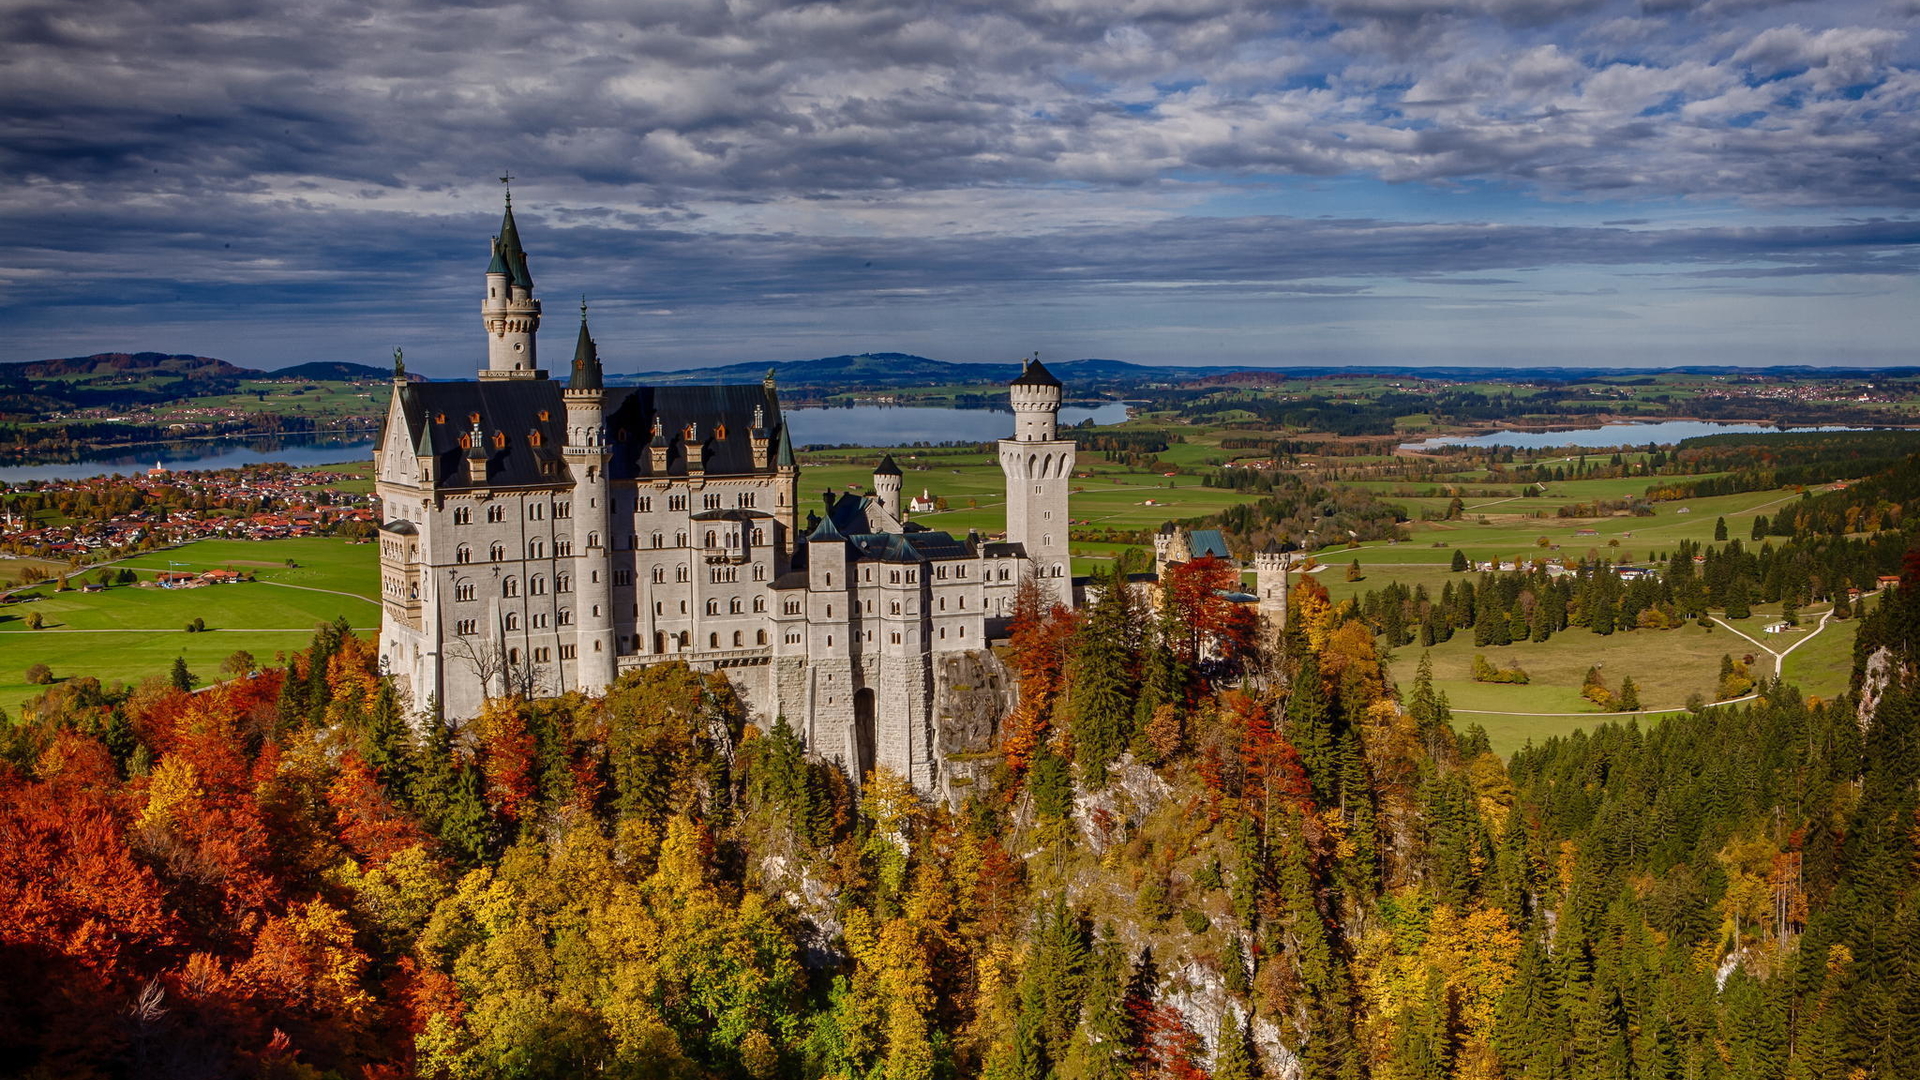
[(541, 538)]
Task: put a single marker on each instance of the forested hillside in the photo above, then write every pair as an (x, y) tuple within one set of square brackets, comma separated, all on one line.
[(1199, 853)]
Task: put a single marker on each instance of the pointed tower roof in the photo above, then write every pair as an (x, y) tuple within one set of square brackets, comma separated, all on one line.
[(509, 257), (587, 373), (783, 454), (886, 467), (1034, 374)]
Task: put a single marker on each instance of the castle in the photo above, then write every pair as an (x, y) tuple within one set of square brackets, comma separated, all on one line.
[(541, 537)]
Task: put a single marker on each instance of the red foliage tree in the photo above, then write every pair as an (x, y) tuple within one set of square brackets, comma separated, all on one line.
[(1217, 628), (370, 826)]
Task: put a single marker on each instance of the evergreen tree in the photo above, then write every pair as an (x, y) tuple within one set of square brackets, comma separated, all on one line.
[(180, 678), (1629, 695), (1233, 1057), (1104, 680), (1459, 559), (1720, 529), (388, 743)]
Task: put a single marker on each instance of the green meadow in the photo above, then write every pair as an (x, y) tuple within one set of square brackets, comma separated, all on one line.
[(128, 633)]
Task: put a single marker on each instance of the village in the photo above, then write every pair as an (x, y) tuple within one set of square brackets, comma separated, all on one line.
[(81, 521)]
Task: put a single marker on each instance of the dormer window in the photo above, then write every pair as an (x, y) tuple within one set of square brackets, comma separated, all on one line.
[(693, 432), (533, 437), (439, 418), (499, 440), (473, 418), (720, 431), (544, 417)]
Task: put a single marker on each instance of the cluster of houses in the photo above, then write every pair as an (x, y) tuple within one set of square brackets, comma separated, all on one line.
[(247, 505)]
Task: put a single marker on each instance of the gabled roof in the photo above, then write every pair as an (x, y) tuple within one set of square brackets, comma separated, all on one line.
[(720, 417), (439, 414), (1204, 542)]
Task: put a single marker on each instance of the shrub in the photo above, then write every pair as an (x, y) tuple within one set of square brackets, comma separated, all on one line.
[(40, 675)]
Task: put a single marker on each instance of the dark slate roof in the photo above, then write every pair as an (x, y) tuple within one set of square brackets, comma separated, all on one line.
[(825, 533), (401, 528), (1035, 374), (733, 514), (440, 414), (714, 412), (909, 547), (886, 467), (508, 254), (586, 359), (1004, 550), (1204, 542)]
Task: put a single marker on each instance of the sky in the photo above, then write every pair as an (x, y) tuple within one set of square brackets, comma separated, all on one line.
[(1617, 182)]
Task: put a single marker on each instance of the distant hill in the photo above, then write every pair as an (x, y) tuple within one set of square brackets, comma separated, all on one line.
[(332, 371), (177, 364), (906, 369)]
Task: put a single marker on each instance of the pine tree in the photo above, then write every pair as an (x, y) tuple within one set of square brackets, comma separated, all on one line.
[(180, 678), (1459, 560), (1629, 695), (1233, 1057), (1104, 679), (388, 743), (1720, 529), (1310, 728)]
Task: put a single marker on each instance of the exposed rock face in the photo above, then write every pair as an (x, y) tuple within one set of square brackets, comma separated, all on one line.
[(971, 692), (1879, 669)]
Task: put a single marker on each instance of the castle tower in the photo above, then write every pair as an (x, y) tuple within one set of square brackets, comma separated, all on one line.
[(509, 311), (587, 455), (1038, 466), (1270, 584), (886, 486)]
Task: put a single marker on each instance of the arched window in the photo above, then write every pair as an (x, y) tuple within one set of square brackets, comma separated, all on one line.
[(686, 638), (563, 583), (710, 538), (680, 539), (895, 577), (659, 575), (759, 537), (895, 608), (734, 606), (536, 548), (759, 604), (513, 620), (463, 554), (713, 641), (510, 586), (593, 540), (463, 515), (759, 572), (738, 639), (759, 637), (496, 513), (659, 540), (537, 586), (713, 607), (463, 590), (564, 617), (498, 551), (681, 573)]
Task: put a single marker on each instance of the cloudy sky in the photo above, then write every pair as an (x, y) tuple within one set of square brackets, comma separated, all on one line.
[(1195, 181)]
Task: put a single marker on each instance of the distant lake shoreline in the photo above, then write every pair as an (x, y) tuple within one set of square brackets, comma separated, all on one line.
[(1633, 433), (831, 425)]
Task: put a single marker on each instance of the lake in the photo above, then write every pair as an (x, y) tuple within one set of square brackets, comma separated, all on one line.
[(1661, 433), (857, 425)]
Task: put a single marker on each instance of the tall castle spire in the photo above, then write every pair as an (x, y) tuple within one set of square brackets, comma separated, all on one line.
[(509, 311), (587, 373)]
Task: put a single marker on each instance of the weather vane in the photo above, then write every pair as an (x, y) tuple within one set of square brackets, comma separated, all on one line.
[(506, 179), (583, 307)]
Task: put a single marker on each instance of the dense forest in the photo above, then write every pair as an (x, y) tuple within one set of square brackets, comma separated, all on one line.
[(1198, 851)]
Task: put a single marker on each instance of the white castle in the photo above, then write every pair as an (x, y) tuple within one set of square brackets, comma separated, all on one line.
[(540, 538)]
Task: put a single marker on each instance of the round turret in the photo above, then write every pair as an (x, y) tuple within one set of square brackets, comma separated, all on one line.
[(1036, 403), (886, 485)]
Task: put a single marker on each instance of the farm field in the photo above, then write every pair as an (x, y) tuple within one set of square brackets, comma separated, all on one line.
[(128, 633)]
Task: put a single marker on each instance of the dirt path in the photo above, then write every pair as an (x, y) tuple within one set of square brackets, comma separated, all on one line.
[(1602, 715)]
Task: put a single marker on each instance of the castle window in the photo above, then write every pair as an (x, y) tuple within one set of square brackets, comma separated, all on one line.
[(533, 437), (913, 576), (544, 416), (659, 608), (963, 602), (540, 620), (943, 633), (759, 604), (562, 548), (536, 511), (463, 554), (659, 541), (593, 540), (463, 515), (713, 607), (513, 657), (940, 573), (686, 638), (869, 607), (467, 627), (710, 501), (659, 575), (1046, 515), (1046, 540), (644, 505), (943, 603), (963, 631), (960, 571), (463, 591), (829, 645), (510, 586), (623, 577), (713, 641), (746, 499), (439, 418), (894, 577), (563, 583), (791, 607), (739, 639), (759, 637), (680, 539), (513, 620), (536, 548), (1057, 570), (676, 502), (759, 571), (563, 510), (896, 637), (793, 638), (866, 573), (759, 537), (683, 607), (497, 552), (564, 617), (735, 606), (566, 652), (894, 608), (536, 586), (542, 655), (497, 512), (711, 542), (680, 573)]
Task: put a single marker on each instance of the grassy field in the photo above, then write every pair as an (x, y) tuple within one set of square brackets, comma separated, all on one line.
[(128, 633)]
